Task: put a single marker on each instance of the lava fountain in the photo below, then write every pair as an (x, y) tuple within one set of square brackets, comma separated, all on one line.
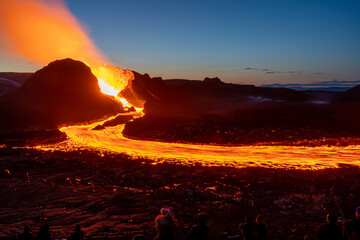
[(112, 80), (44, 31)]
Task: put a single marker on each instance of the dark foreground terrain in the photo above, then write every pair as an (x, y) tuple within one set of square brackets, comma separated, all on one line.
[(115, 196)]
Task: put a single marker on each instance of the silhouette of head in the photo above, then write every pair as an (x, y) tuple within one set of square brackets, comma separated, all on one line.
[(44, 228), (331, 218), (26, 229), (77, 228), (165, 212), (201, 219), (357, 212), (259, 219), (248, 219)]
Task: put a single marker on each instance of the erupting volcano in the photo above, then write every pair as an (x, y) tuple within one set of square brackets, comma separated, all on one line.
[(84, 141), (23, 24)]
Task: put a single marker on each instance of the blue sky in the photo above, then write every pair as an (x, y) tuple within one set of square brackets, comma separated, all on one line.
[(256, 42)]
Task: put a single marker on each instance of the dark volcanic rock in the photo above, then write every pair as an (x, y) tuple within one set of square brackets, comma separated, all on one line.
[(351, 95), (143, 89), (114, 122), (215, 80), (63, 92)]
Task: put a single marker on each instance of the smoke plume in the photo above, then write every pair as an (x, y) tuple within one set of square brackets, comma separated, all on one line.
[(42, 31)]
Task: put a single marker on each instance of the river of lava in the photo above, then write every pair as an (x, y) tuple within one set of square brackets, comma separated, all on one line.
[(111, 139)]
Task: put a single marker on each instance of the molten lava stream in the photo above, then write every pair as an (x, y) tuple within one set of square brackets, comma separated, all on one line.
[(111, 139)]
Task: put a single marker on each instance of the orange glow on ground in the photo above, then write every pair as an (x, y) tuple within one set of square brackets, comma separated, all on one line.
[(111, 139)]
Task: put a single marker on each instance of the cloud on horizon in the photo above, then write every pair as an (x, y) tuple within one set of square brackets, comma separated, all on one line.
[(270, 71)]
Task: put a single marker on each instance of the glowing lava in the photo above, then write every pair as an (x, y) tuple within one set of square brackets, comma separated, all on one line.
[(111, 139), (112, 80)]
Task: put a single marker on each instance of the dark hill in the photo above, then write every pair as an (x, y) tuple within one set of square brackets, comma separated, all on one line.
[(215, 87), (18, 77), (351, 95), (212, 111), (195, 97), (63, 92), (143, 89)]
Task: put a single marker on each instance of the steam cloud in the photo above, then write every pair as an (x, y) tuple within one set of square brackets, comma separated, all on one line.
[(42, 31)]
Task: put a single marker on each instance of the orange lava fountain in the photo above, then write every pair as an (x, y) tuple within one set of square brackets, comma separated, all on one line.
[(112, 80), (44, 31)]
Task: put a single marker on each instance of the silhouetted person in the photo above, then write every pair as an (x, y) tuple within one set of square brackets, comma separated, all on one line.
[(78, 234), (200, 231), (26, 235), (44, 233), (248, 229), (330, 231), (352, 228), (261, 228), (165, 226)]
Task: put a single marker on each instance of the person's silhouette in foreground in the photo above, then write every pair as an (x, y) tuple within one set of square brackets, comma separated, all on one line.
[(352, 228), (330, 231), (78, 234), (44, 233), (26, 235), (200, 231), (261, 228), (248, 229), (165, 226)]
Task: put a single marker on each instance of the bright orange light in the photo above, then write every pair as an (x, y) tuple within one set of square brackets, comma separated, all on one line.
[(112, 139), (112, 80), (44, 31), (106, 88)]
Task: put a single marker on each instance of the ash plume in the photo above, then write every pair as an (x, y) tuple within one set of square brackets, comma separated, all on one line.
[(42, 31)]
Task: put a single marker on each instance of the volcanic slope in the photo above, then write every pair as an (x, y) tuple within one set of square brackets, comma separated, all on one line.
[(211, 111), (63, 92)]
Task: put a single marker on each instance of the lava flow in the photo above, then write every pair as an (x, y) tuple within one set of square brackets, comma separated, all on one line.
[(111, 139)]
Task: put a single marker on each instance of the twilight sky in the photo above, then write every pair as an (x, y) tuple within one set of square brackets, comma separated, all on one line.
[(252, 42)]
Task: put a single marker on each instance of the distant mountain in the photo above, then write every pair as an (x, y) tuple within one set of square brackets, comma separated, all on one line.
[(7, 85), (179, 96), (65, 91), (10, 81), (335, 86), (16, 76), (351, 95)]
